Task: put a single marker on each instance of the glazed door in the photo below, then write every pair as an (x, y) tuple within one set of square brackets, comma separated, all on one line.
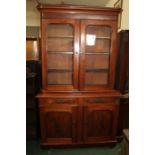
[(60, 49), (97, 55), (100, 122)]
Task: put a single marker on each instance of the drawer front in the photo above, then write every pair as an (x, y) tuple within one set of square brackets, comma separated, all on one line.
[(48, 101), (99, 100)]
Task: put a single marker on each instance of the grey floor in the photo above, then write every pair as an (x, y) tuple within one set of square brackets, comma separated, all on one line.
[(33, 148)]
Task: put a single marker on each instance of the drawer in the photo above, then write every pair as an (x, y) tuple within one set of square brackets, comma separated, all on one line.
[(99, 100), (48, 101)]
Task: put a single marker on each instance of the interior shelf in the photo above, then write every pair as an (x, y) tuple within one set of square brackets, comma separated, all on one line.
[(97, 70), (62, 37), (105, 53), (59, 52), (68, 84), (90, 84), (60, 70), (103, 37)]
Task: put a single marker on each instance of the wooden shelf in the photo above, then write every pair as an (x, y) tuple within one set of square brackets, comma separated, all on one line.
[(59, 70), (62, 37), (97, 70), (105, 53), (57, 52), (91, 84), (103, 38), (69, 84)]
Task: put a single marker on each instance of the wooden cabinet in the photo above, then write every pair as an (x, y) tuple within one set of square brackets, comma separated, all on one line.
[(78, 102)]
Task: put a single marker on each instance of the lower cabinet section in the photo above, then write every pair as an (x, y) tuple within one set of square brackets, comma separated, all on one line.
[(78, 121)]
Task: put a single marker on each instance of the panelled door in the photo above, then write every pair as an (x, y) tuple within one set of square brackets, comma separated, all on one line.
[(100, 122), (97, 55), (58, 123), (60, 49)]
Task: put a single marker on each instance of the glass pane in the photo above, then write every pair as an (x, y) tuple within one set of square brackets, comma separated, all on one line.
[(99, 30), (96, 78), (98, 46), (59, 78), (58, 30), (98, 39), (59, 61), (97, 61), (101, 45), (59, 69), (59, 38), (59, 47)]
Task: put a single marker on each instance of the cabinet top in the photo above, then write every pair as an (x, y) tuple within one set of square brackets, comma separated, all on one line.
[(45, 7)]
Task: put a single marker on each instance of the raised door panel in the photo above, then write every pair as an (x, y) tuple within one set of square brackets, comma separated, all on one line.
[(97, 55), (100, 122), (60, 49), (58, 123)]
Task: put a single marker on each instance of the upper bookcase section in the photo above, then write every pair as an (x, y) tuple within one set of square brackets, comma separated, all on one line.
[(78, 12)]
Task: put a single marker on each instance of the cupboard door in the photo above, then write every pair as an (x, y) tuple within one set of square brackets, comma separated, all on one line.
[(100, 122), (60, 45), (58, 123), (97, 56)]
